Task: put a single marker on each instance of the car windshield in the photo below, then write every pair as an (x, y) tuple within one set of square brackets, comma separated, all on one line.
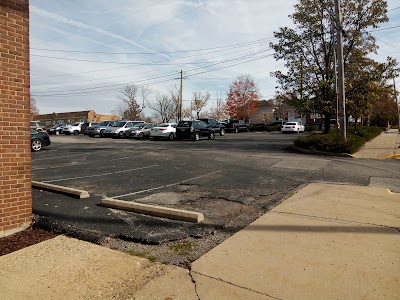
[(104, 123), (138, 126), (291, 123), (185, 124), (119, 124), (75, 124), (163, 125)]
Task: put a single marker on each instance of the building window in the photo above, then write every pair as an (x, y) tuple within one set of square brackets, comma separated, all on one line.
[(60, 121), (82, 120), (47, 123)]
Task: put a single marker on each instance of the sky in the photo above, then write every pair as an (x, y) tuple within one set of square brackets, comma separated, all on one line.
[(83, 52)]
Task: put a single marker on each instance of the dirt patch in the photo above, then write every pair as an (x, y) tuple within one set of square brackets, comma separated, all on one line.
[(22, 239)]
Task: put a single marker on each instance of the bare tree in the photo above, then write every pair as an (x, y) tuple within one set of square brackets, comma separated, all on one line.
[(199, 102), (217, 111), (33, 107), (131, 95), (165, 106)]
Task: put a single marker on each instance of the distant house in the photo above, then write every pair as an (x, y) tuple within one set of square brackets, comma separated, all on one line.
[(268, 112), (71, 117)]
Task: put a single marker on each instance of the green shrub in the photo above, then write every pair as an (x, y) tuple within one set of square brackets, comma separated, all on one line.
[(274, 128), (328, 143), (311, 128), (258, 127)]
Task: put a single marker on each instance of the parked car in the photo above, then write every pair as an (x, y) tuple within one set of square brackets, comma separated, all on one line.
[(140, 131), (117, 130), (56, 129), (215, 125), (39, 139), (165, 130), (293, 127), (86, 125), (194, 130), (74, 128), (235, 125), (35, 125), (277, 123), (99, 128)]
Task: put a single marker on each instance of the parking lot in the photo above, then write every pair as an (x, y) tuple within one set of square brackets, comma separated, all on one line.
[(231, 180)]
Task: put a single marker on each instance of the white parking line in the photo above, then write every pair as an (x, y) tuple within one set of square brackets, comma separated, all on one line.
[(58, 157), (125, 157), (98, 175), (164, 186)]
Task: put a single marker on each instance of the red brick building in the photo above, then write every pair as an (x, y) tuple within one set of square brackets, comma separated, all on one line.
[(71, 117), (15, 153)]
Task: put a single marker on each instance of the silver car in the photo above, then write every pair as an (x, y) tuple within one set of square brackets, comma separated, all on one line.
[(117, 130), (140, 131)]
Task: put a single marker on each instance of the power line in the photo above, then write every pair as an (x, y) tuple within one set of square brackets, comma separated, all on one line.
[(162, 81), (159, 52), (250, 43), (209, 64), (382, 29)]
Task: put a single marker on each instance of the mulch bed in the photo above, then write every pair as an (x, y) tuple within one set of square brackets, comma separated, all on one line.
[(22, 239)]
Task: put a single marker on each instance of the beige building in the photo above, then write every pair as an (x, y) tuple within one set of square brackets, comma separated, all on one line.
[(267, 112), (71, 117)]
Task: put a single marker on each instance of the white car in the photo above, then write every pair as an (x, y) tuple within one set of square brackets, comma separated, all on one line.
[(165, 130), (74, 128), (293, 127)]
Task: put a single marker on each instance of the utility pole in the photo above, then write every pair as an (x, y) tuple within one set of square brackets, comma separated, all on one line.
[(334, 43), (180, 100), (397, 101), (342, 97)]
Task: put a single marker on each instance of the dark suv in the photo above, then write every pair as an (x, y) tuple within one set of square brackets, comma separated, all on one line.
[(214, 124), (193, 130)]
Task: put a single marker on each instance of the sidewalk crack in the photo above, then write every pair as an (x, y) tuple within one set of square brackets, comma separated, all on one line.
[(334, 219), (194, 282), (233, 284)]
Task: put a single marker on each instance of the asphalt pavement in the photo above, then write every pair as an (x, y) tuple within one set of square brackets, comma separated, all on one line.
[(335, 238)]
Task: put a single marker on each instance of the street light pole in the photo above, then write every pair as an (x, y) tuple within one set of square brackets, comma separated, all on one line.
[(397, 102), (341, 89)]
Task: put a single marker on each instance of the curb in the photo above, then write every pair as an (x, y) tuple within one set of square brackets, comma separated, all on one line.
[(61, 189), (301, 150), (156, 211)]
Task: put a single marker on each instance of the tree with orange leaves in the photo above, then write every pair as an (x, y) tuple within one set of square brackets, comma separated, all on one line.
[(242, 98)]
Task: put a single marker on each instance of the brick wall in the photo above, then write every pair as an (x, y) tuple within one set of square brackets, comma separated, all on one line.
[(15, 155)]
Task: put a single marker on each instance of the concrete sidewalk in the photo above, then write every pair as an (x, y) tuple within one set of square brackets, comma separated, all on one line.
[(386, 145), (325, 242)]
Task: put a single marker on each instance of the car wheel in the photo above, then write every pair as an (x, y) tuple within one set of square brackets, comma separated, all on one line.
[(36, 145), (211, 136), (101, 133), (236, 130), (171, 136), (57, 133), (141, 135), (121, 135), (197, 136), (298, 130), (222, 132), (76, 132)]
